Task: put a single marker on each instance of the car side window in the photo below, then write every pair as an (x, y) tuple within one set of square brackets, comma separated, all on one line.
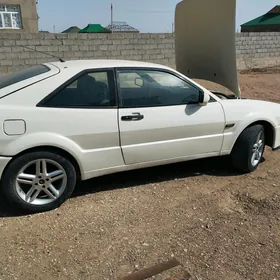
[(95, 89), (150, 88)]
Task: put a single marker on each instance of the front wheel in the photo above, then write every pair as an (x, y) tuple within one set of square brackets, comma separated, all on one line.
[(249, 148), (38, 181)]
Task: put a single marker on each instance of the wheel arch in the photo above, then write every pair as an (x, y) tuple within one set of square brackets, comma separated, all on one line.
[(52, 149), (269, 132)]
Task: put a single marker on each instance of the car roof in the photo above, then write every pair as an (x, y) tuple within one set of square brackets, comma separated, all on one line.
[(105, 63)]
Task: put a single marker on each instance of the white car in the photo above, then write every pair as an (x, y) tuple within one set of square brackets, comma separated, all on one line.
[(68, 121)]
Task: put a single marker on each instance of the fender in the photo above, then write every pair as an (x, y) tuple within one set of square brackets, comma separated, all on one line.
[(231, 135), (35, 140)]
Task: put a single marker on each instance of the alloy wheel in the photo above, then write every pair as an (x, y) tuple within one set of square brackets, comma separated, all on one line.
[(41, 182), (258, 149)]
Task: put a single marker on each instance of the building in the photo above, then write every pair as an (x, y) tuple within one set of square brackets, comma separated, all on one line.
[(18, 16), (122, 26), (269, 22), (94, 28), (72, 29)]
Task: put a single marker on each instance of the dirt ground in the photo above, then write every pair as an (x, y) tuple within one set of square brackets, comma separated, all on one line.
[(216, 223)]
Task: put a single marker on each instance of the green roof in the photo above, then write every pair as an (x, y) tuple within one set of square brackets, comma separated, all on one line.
[(270, 18), (72, 29), (94, 28)]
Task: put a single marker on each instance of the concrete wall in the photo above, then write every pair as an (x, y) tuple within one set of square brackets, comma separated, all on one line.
[(29, 16), (253, 50), (257, 50)]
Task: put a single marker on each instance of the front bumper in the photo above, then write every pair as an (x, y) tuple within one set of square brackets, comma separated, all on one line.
[(276, 145), (3, 163)]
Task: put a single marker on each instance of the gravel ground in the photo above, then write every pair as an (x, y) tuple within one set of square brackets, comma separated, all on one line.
[(216, 223)]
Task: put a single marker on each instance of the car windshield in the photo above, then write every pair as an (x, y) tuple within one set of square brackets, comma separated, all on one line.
[(10, 79)]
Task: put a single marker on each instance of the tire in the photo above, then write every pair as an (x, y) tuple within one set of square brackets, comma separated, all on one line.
[(242, 153), (32, 188)]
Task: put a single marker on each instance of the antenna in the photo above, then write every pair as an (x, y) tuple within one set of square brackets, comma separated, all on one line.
[(60, 59), (112, 15)]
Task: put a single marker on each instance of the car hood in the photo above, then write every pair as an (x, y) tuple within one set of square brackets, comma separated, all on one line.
[(205, 43)]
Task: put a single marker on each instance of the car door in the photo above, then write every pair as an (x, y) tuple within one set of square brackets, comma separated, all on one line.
[(84, 111), (160, 118)]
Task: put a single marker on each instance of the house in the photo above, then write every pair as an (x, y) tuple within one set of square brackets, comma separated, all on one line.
[(18, 16), (269, 22), (122, 26), (94, 28), (72, 29)]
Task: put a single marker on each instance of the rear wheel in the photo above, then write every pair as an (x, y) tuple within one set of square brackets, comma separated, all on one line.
[(39, 181), (249, 148)]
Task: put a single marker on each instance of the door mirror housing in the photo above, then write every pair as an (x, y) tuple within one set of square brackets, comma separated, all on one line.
[(204, 98), (139, 82)]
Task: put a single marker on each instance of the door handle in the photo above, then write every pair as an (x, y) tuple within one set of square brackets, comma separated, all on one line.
[(133, 117)]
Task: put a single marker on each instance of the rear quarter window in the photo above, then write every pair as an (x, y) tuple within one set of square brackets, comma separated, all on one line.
[(13, 78)]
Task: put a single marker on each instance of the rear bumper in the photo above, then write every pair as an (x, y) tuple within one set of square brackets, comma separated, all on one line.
[(276, 145), (3, 163)]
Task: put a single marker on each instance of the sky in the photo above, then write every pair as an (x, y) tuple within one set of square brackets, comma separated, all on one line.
[(154, 16)]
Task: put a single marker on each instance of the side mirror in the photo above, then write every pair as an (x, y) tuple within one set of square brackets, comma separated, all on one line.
[(139, 82), (204, 98)]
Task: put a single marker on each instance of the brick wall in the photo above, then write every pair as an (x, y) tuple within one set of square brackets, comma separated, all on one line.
[(258, 50), (253, 49)]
